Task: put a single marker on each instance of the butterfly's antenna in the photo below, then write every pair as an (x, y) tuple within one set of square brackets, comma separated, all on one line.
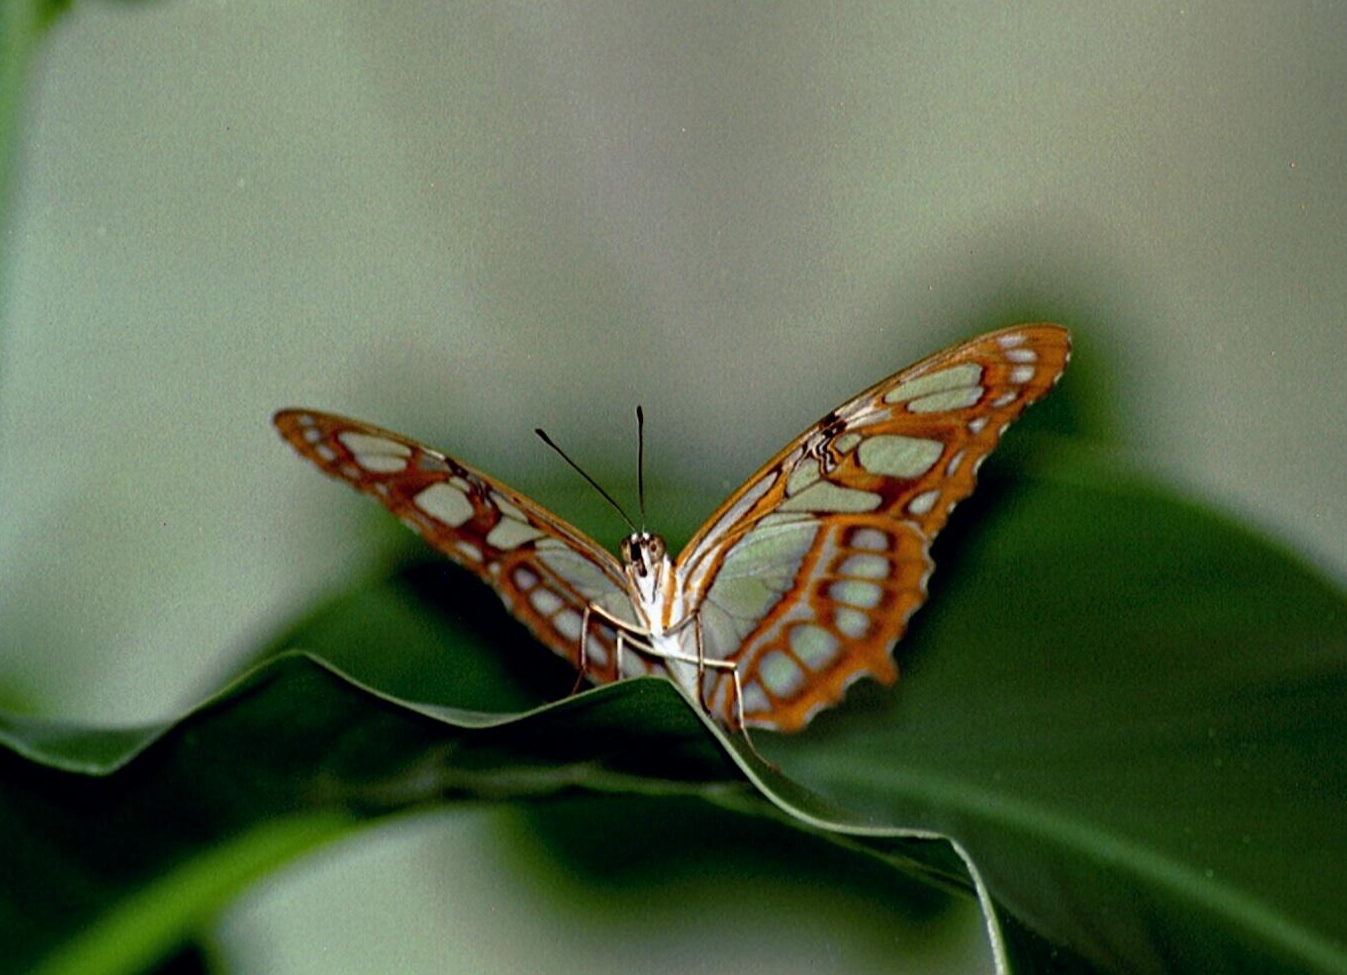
[(606, 496), (640, 461)]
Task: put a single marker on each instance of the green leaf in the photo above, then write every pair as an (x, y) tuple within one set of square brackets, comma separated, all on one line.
[(1119, 726), (1129, 711)]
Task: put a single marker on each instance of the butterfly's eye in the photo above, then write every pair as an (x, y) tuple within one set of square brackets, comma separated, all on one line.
[(625, 549), (656, 548)]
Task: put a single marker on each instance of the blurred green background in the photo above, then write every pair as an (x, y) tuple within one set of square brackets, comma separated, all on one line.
[(463, 220)]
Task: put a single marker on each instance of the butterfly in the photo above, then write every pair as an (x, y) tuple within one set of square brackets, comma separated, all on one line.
[(800, 583)]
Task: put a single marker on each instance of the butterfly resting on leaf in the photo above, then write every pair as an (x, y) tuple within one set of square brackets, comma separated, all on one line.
[(800, 583)]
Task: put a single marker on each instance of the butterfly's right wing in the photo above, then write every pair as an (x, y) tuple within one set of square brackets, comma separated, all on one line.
[(806, 576), (544, 570)]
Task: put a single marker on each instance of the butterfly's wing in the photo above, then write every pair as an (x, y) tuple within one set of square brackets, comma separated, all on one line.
[(808, 574), (545, 571)]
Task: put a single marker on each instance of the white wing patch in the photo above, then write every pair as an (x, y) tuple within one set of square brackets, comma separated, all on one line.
[(965, 376), (378, 455), (827, 496), (757, 570), (894, 455), (446, 503)]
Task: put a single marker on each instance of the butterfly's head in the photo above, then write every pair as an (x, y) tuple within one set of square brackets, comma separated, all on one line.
[(643, 553), (645, 558)]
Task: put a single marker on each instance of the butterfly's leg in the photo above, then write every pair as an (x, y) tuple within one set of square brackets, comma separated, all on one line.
[(701, 667), (700, 660), (733, 667), (693, 620), (624, 631), (739, 710), (584, 650)]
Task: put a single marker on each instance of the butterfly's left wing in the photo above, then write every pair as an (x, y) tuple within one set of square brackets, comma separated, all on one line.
[(544, 570), (808, 574)]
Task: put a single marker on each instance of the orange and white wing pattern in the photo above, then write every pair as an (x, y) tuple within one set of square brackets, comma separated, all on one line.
[(807, 575), (545, 571)]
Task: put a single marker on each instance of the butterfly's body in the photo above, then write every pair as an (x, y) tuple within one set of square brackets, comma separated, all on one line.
[(657, 597), (657, 603), (797, 585)]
